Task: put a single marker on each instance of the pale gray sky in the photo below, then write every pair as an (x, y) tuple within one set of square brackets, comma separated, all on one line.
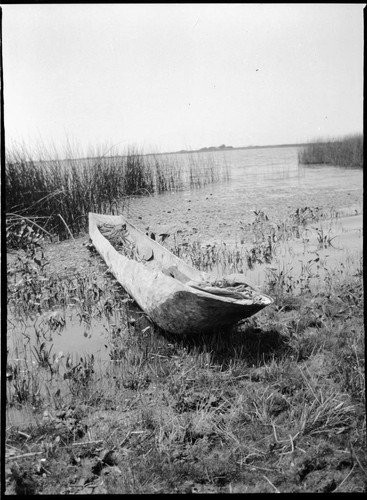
[(165, 77)]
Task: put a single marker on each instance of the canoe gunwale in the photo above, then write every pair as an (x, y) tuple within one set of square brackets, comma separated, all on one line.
[(162, 289), (180, 263)]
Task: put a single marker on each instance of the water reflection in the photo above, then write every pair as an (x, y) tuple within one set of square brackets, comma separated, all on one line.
[(269, 178), (321, 249)]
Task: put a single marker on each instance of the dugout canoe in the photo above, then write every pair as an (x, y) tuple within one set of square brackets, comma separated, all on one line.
[(177, 297)]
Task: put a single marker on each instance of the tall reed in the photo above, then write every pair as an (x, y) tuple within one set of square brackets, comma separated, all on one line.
[(344, 152), (63, 191)]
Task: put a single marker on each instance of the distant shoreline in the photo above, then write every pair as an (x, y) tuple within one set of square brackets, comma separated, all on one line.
[(228, 148), (210, 149), (202, 150)]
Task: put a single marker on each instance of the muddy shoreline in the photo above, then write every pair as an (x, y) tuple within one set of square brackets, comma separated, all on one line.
[(214, 215), (201, 216)]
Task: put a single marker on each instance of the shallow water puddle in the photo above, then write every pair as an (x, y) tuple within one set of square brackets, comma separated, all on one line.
[(324, 247), (321, 248), (269, 179), (75, 336)]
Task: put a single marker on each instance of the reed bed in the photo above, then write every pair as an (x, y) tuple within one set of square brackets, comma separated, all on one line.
[(57, 194), (276, 404), (344, 152)]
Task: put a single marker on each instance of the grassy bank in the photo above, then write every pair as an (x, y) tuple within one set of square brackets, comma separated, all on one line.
[(345, 152), (53, 196), (274, 405)]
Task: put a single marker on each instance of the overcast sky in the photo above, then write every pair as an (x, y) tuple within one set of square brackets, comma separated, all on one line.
[(166, 77)]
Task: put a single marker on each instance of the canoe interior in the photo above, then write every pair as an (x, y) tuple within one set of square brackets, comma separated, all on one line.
[(177, 296)]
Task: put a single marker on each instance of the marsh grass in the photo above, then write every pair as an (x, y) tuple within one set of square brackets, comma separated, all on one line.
[(275, 404), (346, 152), (53, 196), (267, 238)]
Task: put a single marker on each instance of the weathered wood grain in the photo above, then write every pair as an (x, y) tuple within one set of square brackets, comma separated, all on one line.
[(176, 296)]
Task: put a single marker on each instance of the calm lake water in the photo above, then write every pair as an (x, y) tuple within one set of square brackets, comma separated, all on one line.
[(268, 179)]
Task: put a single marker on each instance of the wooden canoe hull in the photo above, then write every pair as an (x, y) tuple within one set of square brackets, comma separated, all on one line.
[(172, 304)]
